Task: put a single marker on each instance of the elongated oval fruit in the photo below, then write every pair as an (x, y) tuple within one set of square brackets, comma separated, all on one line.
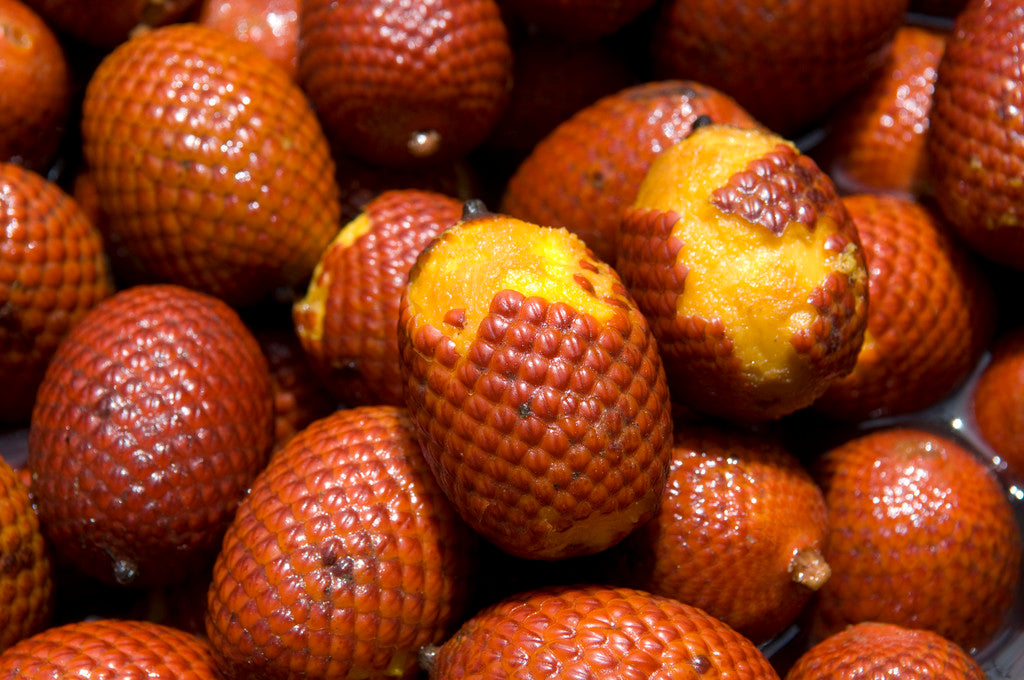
[(741, 254), (536, 385)]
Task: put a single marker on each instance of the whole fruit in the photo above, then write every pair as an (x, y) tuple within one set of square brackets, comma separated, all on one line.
[(742, 256), (153, 418), (536, 385), (921, 534), (211, 168), (344, 558), (996, 400)]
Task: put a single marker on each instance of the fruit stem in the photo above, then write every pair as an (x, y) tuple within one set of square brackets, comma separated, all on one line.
[(809, 568)]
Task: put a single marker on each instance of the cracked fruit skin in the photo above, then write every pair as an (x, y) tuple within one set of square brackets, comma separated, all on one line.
[(740, 532), (975, 149), (921, 534), (932, 312), (153, 418), (594, 631), (869, 650), (748, 266), (26, 571), (110, 648), (343, 560), (52, 271), (210, 166), (536, 385), (346, 321)]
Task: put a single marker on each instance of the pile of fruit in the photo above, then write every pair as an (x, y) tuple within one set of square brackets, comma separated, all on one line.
[(511, 338)]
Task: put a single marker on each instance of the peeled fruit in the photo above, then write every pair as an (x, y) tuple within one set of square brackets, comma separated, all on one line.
[(210, 167), (593, 631), (536, 385), (921, 534), (346, 320), (154, 416), (740, 532), (343, 560), (932, 312), (869, 650), (740, 253)]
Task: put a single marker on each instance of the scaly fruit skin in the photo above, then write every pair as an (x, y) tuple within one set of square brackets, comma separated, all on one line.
[(870, 650), (975, 152), (997, 400), (117, 21), (35, 98), (52, 271), (740, 253), (405, 85), (597, 632), (26, 572), (740, 532), (211, 168), (343, 560), (153, 418), (921, 534), (346, 321), (809, 54), (585, 173), (110, 648), (932, 312), (271, 25), (536, 385), (876, 142)]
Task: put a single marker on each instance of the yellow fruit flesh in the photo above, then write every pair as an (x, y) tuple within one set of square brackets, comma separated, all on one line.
[(755, 282), (313, 306), (474, 260)]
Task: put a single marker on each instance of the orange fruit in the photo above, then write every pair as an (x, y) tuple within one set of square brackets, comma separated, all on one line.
[(883, 650), (271, 25), (35, 97), (789, 63), (536, 386), (592, 631), (299, 395), (743, 258), (26, 576), (876, 141), (921, 534), (740, 532), (405, 85), (210, 165), (120, 648), (118, 21), (586, 172), (153, 418), (346, 321), (932, 312), (975, 153), (52, 271), (344, 558), (996, 400), (577, 21)]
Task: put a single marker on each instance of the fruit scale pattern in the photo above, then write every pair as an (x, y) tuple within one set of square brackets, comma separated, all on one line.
[(338, 341)]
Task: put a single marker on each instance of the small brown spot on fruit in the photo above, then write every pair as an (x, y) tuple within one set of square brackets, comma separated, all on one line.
[(701, 664), (809, 568)]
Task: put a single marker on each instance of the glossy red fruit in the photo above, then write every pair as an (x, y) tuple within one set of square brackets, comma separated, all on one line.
[(343, 560), (115, 24), (930, 316), (405, 84), (996, 402), (210, 166), (52, 271), (35, 96), (596, 632), (871, 650), (153, 418), (110, 648), (921, 534), (975, 148), (271, 25)]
